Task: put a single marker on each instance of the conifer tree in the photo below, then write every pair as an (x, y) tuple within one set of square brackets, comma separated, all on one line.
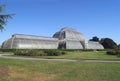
[(3, 17)]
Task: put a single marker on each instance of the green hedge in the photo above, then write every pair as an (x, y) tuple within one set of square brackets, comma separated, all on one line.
[(33, 52), (54, 52), (7, 50), (113, 52), (13, 50)]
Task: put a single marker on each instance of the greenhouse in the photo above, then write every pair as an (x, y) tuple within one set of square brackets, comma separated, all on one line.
[(94, 45), (66, 38), (30, 42)]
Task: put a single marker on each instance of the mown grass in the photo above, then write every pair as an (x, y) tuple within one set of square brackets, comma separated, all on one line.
[(24, 70), (100, 55)]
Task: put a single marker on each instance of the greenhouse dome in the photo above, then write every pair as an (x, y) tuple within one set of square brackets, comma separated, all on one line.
[(70, 38)]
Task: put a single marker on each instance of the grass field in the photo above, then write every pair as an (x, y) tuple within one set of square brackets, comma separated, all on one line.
[(86, 55), (24, 70)]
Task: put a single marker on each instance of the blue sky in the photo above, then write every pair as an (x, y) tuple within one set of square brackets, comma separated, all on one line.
[(99, 18)]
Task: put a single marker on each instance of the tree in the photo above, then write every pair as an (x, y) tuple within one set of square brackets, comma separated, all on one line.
[(3, 17), (95, 38), (108, 43), (118, 45)]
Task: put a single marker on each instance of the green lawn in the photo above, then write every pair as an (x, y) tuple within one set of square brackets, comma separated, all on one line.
[(86, 55), (26, 70)]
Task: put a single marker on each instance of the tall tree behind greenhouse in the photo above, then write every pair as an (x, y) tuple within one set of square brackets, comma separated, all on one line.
[(3, 17), (95, 38), (108, 43)]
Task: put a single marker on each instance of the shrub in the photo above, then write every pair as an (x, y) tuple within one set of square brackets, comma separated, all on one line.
[(54, 52), (111, 52), (114, 52), (37, 53), (22, 52), (118, 53)]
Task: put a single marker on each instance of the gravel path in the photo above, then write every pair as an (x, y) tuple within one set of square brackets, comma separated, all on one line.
[(67, 60)]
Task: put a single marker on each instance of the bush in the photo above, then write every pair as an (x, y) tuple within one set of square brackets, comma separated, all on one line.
[(114, 52), (111, 52), (118, 53), (54, 52), (22, 52)]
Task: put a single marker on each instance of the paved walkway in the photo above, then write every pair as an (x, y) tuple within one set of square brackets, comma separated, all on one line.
[(67, 60)]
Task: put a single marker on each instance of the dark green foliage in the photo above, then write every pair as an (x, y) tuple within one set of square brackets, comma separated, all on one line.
[(35, 52), (118, 53), (63, 50), (111, 52), (54, 52), (29, 52), (3, 17), (95, 38), (8, 50), (115, 51), (108, 43)]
